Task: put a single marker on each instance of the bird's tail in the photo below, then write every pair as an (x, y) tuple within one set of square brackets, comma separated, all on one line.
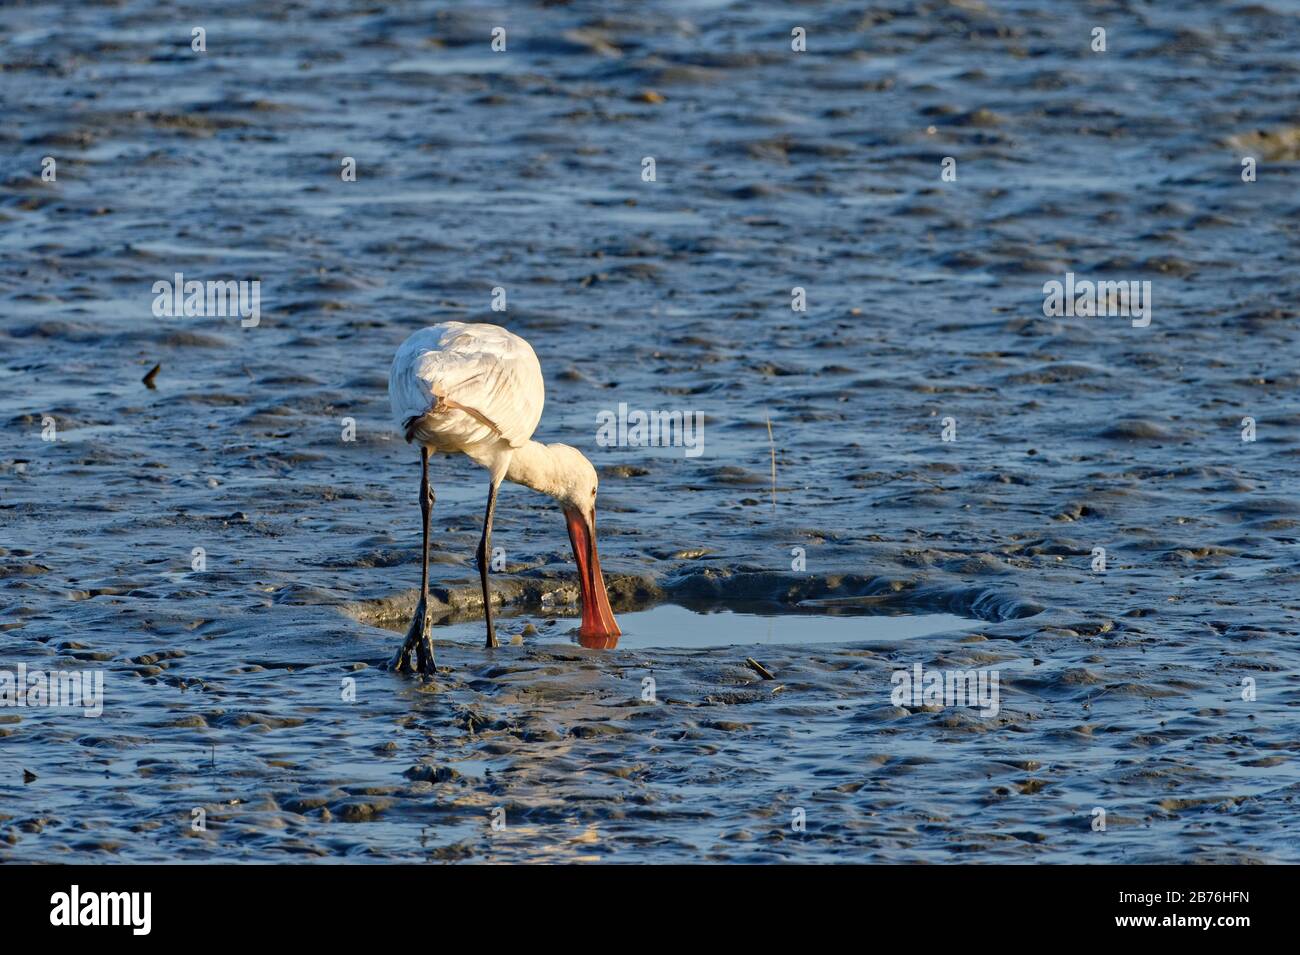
[(441, 405)]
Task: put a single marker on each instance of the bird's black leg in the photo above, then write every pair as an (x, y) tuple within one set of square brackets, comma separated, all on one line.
[(484, 555), (424, 649), (418, 637)]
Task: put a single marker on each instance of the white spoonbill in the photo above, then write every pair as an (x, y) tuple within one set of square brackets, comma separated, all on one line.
[(478, 390)]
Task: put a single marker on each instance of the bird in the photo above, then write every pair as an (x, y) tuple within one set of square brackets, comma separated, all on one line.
[(478, 390)]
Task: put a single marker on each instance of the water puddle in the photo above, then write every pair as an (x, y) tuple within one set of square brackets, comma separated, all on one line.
[(674, 626)]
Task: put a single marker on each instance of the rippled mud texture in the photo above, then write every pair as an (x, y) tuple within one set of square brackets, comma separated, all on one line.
[(774, 170)]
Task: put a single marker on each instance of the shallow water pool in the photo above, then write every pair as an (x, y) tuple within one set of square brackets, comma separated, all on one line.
[(671, 625)]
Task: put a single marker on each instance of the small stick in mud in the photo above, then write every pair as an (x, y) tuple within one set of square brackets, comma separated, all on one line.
[(150, 375), (772, 446), (758, 668)]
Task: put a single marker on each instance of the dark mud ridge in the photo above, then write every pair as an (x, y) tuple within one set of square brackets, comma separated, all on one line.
[(712, 589)]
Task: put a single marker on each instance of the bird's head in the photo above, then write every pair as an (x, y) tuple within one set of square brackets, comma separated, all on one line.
[(575, 489), (573, 480)]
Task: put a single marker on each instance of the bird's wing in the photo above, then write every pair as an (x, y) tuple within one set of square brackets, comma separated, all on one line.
[(469, 383)]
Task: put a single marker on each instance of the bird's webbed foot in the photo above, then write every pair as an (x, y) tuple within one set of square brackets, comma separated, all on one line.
[(416, 653)]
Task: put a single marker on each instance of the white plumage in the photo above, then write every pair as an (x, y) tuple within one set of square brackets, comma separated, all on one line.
[(489, 379)]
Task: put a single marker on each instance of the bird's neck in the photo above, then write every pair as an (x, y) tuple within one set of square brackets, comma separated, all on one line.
[(537, 466)]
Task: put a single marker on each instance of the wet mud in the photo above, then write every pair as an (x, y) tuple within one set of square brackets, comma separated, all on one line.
[(250, 694)]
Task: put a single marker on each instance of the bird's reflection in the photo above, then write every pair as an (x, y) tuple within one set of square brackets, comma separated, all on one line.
[(599, 641)]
